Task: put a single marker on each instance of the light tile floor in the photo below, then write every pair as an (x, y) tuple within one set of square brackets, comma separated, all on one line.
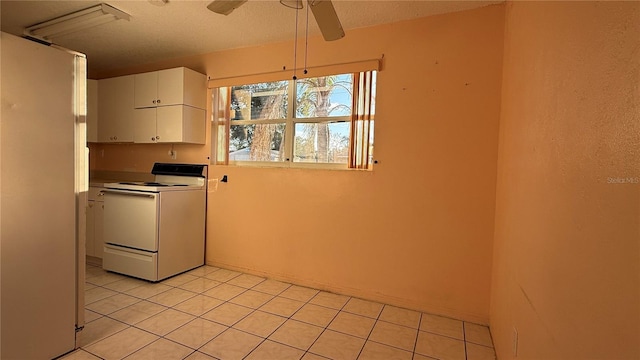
[(212, 313)]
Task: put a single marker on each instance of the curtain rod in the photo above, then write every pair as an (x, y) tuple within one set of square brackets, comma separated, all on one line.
[(369, 64)]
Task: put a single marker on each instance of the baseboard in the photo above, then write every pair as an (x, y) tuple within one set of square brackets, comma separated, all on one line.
[(360, 293), (95, 261)]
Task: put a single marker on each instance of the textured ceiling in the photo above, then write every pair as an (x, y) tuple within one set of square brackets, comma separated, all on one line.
[(187, 27)]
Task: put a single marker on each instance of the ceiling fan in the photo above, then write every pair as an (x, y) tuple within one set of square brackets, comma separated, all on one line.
[(323, 11)]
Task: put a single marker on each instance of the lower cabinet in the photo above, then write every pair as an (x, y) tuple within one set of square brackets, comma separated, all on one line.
[(95, 222)]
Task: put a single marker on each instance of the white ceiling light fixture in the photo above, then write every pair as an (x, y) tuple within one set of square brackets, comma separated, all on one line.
[(76, 21)]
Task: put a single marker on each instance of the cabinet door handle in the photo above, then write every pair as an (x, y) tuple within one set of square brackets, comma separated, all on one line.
[(157, 137), (90, 205), (153, 138), (130, 193), (100, 193), (154, 101), (158, 101)]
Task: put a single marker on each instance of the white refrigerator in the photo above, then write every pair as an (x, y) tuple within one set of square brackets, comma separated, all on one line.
[(43, 188)]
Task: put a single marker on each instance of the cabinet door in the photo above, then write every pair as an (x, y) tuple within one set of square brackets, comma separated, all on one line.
[(181, 124), (195, 89), (145, 126), (91, 226), (171, 87), (98, 220), (115, 109), (146, 90), (169, 124)]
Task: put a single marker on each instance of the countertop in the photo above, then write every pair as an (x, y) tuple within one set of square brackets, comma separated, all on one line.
[(101, 182), (98, 178)]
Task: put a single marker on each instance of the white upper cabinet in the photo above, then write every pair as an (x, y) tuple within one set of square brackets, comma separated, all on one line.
[(181, 124), (170, 124), (155, 107), (144, 130), (115, 109), (178, 86), (169, 106)]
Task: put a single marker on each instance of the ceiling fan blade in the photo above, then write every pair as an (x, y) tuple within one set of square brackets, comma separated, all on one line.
[(327, 19), (225, 7)]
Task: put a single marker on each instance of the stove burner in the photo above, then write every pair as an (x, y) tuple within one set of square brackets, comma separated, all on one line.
[(168, 177), (154, 184)]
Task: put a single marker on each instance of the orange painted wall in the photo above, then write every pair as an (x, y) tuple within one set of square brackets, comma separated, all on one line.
[(141, 157), (567, 246), (418, 230)]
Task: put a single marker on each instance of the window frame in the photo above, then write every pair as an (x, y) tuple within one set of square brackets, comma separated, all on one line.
[(289, 134), (221, 121)]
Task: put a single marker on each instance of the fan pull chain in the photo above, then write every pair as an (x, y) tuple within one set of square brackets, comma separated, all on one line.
[(295, 49), (306, 40)]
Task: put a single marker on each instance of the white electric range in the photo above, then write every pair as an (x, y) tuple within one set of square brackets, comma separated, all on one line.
[(154, 230)]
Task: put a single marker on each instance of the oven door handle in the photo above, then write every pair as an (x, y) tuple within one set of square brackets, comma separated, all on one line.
[(129, 193)]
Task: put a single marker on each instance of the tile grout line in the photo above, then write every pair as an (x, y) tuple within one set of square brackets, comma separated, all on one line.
[(117, 332), (278, 327), (238, 321), (292, 319), (300, 308), (370, 331), (230, 326), (200, 316), (324, 328), (254, 310), (133, 325), (223, 302), (464, 336), (415, 343), (196, 317)]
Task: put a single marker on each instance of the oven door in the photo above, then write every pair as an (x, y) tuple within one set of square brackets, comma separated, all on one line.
[(131, 219)]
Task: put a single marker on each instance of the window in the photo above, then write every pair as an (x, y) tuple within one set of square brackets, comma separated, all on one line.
[(307, 122), (258, 117)]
